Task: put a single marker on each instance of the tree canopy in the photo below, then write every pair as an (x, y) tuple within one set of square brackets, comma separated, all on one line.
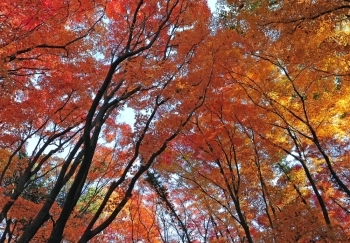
[(240, 128)]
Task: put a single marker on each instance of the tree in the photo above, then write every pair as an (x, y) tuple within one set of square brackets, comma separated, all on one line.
[(240, 132), (272, 131), (68, 69)]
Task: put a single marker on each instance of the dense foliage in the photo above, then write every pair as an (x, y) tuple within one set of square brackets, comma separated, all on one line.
[(239, 130)]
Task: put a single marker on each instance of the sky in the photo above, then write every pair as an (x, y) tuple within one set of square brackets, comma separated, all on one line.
[(211, 4)]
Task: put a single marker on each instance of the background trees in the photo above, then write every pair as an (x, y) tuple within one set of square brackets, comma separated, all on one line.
[(269, 147)]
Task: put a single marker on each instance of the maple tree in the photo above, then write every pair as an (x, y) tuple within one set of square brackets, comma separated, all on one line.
[(68, 69), (268, 151), (240, 129)]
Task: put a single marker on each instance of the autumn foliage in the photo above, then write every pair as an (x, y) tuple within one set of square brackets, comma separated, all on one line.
[(238, 129)]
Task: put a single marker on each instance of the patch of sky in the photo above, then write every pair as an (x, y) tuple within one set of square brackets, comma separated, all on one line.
[(273, 34), (212, 5), (127, 116)]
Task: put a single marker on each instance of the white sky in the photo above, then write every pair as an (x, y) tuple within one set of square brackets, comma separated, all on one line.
[(211, 4)]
